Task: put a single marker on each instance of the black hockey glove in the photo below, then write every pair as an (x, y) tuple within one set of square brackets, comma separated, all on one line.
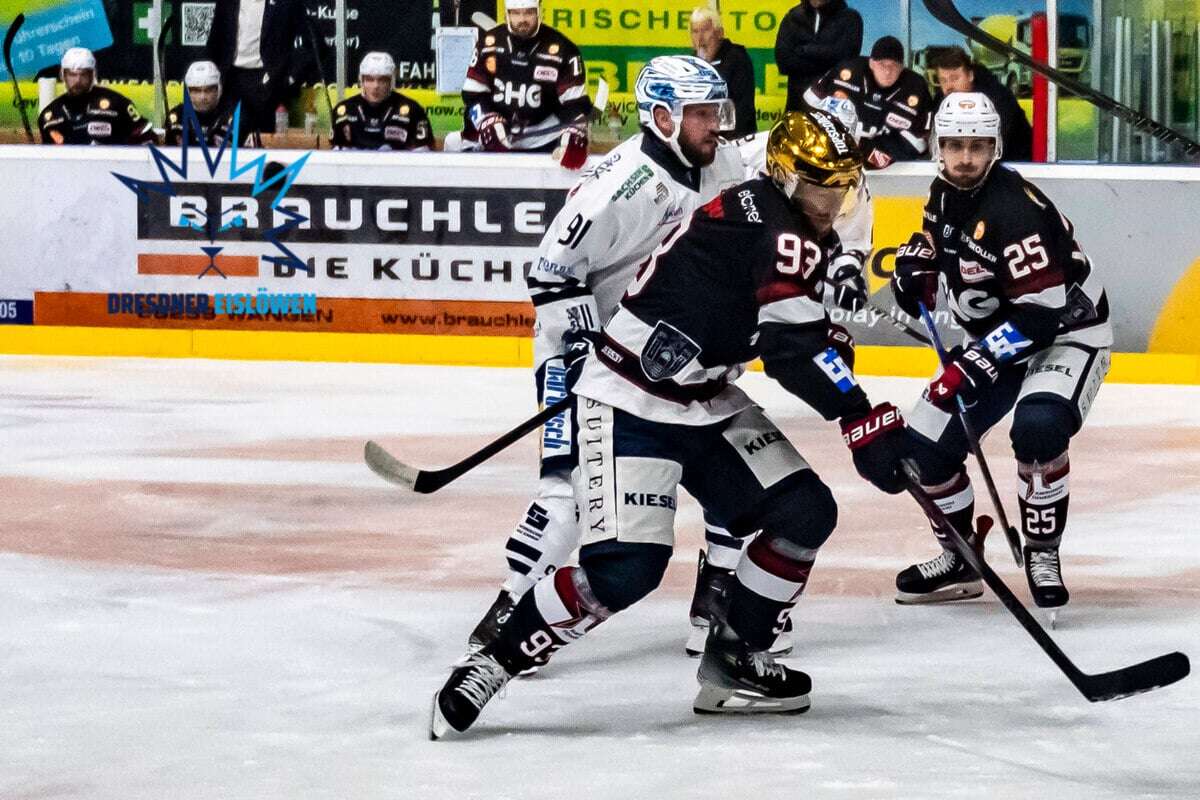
[(842, 342), (968, 374), (877, 444), (915, 277), (845, 286), (577, 344)]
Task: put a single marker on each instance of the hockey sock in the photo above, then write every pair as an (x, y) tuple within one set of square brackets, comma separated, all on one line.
[(559, 610), (956, 499), (1043, 495), (542, 541), (723, 550), (770, 578)]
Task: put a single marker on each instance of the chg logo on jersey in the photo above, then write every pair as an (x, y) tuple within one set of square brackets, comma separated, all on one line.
[(667, 351)]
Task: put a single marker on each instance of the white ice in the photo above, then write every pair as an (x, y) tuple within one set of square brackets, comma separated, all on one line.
[(124, 679)]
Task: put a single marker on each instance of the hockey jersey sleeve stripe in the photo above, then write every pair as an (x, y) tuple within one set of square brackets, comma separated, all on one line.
[(792, 311), (567, 293), (917, 143), (474, 85), (572, 93)]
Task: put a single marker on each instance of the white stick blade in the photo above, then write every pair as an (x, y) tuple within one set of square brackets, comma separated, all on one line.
[(386, 466)]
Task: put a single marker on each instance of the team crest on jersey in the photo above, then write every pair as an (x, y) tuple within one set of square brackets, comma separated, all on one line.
[(489, 40), (844, 74), (667, 351), (661, 192), (913, 100), (490, 65), (104, 103), (553, 49), (979, 230)]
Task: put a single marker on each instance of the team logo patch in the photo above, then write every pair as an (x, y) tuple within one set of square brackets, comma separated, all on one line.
[(545, 73), (104, 103), (489, 40), (844, 74), (341, 110), (553, 49), (490, 65), (979, 229), (667, 351), (48, 115), (913, 100), (99, 129), (404, 110)]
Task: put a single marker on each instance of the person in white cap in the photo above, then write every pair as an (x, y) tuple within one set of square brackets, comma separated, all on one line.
[(525, 83), (380, 118), (87, 113), (203, 85)]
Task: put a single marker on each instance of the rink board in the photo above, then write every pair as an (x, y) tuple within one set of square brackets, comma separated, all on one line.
[(419, 258)]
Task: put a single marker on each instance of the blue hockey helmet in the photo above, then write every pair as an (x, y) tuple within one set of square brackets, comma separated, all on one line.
[(675, 82)]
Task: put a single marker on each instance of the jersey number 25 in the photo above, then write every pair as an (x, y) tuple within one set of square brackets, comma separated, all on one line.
[(1027, 256)]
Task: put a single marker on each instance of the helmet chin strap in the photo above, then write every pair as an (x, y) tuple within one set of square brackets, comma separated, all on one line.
[(672, 141)]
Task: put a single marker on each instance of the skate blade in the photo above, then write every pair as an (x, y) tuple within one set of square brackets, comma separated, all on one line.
[(695, 641), (782, 645), (720, 700), (439, 728), (950, 594)]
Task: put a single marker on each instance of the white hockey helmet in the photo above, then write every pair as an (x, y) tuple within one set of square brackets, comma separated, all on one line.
[(845, 112), (201, 74), (523, 5), (969, 115), (377, 63), (675, 82), (79, 58)]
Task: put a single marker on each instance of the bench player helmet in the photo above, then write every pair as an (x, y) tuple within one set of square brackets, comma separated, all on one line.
[(673, 83), (967, 115), (522, 5), (844, 110), (813, 159), (79, 58), (377, 63)]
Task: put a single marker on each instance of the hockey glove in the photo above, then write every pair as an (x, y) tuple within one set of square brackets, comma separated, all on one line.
[(842, 342), (572, 149), (577, 344), (877, 444), (493, 135), (915, 277), (845, 286), (968, 375)]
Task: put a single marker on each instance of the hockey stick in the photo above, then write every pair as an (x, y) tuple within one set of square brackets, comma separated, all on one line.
[(1010, 533), (945, 12), (18, 101), (1134, 679), (898, 324), (160, 57), (426, 481)]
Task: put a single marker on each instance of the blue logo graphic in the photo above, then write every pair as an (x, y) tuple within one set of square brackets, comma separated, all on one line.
[(265, 176)]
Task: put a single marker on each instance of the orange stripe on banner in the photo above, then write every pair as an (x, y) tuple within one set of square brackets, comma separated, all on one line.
[(334, 315), (192, 265)]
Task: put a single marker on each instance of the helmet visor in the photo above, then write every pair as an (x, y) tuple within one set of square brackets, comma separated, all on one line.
[(823, 204), (726, 114)]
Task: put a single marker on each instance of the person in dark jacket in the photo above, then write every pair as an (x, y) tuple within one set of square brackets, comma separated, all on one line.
[(733, 64), (957, 73), (253, 44), (813, 37)]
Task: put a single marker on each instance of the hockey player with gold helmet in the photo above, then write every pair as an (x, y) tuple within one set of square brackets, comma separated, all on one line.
[(658, 408)]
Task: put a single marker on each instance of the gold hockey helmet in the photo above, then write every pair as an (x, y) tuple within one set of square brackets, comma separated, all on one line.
[(813, 159)]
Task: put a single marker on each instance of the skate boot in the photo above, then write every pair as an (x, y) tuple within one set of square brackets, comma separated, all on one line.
[(736, 680), (713, 587), (1044, 572), (489, 627), (945, 578), (713, 590), (475, 680)]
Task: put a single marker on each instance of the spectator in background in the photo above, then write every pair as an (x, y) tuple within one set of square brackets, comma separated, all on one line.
[(202, 82), (87, 113), (380, 118), (253, 44), (957, 73), (732, 63), (813, 38), (893, 103)]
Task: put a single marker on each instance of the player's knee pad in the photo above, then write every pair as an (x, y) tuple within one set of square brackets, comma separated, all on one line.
[(1041, 430), (621, 573), (803, 512)]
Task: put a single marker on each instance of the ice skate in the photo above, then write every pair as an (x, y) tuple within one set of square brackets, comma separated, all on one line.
[(488, 628), (737, 680), (1044, 573), (470, 686), (945, 578)]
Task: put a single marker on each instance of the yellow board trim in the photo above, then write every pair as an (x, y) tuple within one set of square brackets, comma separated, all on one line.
[(476, 351)]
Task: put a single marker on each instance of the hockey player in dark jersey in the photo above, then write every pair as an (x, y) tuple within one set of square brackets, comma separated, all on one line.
[(380, 118), (657, 409), (526, 81), (892, 102), (90, 114), (202, 82), (1038, 338)]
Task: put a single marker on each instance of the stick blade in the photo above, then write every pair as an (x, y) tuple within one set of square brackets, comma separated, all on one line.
[(390, 468), (1136, 679)]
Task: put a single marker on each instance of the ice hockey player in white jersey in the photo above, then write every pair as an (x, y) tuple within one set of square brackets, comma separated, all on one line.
[(614, 217), (658, 409), (1038, 339)]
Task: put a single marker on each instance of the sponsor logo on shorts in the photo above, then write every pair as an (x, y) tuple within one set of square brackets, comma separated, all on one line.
[(649, 499)]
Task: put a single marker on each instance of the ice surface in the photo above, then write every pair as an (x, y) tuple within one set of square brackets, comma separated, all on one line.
[(204, 593)]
